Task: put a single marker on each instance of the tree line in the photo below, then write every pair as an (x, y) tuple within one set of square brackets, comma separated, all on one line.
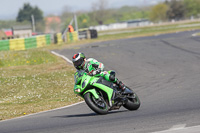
[(163, 11), (175, 10), (101, 14)]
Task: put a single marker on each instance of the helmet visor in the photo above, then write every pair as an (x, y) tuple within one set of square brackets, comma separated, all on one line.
[(78, 62)]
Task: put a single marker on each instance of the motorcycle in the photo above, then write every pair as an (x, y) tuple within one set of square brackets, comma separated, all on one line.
[(103, 96)]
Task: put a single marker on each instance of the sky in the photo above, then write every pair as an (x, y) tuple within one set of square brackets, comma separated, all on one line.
[(9, 8)]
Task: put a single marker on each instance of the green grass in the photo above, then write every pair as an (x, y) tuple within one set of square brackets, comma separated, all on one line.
[(30, 57), (150, 30), (28, 86)]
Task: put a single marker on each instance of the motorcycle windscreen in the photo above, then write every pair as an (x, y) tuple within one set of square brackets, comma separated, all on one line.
[(78, 76)]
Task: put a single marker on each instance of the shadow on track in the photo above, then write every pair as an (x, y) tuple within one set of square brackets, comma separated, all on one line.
[(88, 115)]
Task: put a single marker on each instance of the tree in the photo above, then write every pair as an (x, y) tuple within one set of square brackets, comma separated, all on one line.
[(38, 14), (25, 13), (99, 11), (100, 14), (66, 17), (192, 8), (83, 21), (176, 10), (159, 12)]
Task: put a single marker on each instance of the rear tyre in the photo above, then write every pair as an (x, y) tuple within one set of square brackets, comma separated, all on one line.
[(133, 102), (97, 105)]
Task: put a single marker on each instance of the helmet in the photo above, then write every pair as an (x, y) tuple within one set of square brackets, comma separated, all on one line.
[(78, 60)]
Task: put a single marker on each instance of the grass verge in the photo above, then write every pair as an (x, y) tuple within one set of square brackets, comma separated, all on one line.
[(150, 30), (33, 81)]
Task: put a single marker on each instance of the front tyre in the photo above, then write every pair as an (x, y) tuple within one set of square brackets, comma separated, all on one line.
[(97, 105), (133, 102)]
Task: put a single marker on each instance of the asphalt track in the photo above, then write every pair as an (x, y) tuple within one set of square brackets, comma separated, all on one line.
[(164, 71)]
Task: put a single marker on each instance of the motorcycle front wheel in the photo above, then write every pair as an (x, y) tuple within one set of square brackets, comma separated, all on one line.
[(133, 102), (97, 105)]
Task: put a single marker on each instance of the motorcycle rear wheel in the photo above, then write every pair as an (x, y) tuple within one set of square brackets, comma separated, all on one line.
[(97, 105)]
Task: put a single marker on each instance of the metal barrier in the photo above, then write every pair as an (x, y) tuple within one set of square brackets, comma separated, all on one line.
[(88, 34)]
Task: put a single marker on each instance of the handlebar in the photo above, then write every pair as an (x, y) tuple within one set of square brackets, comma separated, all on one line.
[(90, 72)]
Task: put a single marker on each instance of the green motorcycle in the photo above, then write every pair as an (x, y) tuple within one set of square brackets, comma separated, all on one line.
[(101, 95)]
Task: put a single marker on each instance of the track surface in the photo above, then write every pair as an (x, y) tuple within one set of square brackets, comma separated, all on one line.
[(163, 70)]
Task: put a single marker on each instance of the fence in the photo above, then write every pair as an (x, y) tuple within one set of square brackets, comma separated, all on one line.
[(25, 43), (122, 25), (39, 41)]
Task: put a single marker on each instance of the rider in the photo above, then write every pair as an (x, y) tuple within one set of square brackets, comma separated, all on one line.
[(94, 68)]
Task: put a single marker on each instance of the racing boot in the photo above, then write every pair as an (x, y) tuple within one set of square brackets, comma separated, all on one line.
[(121, 85), (123, 88)]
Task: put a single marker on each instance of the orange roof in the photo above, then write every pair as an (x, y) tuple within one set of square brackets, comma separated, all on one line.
[(53, 19)]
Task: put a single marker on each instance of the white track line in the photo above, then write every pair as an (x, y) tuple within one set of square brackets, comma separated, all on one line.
[(194, 35), (181, 129), (62, 56), (178, 127)]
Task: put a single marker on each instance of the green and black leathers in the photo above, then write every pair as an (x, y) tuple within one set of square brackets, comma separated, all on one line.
[(93, 65)]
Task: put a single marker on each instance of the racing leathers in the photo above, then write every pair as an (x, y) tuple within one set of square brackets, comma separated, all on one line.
[(95, 68)]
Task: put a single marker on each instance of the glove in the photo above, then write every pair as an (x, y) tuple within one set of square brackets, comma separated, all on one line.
[(98, 71)]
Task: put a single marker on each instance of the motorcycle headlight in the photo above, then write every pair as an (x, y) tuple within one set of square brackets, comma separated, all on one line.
[(78, 90)]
